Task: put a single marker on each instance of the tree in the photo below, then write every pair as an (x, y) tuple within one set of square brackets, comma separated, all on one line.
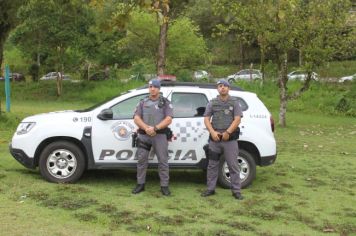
[(8, 21), (162, 9), (315, 27), (52, 28), (187, 47)]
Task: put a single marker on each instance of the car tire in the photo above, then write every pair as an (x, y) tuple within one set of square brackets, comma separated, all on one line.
[(62, 162), (247, 170), (231, 81)]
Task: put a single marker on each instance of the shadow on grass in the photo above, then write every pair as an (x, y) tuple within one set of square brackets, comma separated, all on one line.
[(129, 176)]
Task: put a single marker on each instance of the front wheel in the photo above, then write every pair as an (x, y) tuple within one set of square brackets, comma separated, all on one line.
[(231, 81), (247, 170), (62, 162)]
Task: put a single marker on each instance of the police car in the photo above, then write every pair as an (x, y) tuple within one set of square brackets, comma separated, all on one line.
[(64, 144)]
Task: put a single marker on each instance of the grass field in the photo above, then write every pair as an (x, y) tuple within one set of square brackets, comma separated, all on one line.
[(310, 190)]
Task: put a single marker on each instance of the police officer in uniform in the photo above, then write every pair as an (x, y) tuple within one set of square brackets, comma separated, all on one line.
[(222, 118), (153, 115)]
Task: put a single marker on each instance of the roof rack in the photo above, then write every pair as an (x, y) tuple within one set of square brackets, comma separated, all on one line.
[(165, 83)]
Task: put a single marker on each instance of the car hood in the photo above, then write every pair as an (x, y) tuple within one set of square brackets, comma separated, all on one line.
[(56, 116)]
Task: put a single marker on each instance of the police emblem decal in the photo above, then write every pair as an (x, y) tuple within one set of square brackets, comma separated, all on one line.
[(122, 130)]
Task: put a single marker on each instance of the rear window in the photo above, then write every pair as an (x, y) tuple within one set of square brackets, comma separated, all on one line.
[(242, 103)]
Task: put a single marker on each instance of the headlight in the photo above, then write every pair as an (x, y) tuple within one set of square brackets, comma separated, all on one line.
[(24, 127)]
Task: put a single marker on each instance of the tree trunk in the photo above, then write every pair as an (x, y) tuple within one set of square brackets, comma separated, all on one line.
[(242, 56), (59, 84), (2, 42), (263, 65), (300, 59), (161, 60), (283, 95), (60, 70)]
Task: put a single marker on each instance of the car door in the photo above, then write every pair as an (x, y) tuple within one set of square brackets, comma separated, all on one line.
[(190, 134), (111, 139)]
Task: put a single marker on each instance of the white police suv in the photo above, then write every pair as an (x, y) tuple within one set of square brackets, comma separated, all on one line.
[(66, 143)]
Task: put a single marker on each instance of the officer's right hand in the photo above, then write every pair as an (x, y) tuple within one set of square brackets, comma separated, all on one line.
[(150, 131), (216, 136)]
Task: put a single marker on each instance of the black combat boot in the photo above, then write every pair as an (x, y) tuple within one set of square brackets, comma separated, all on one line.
[(139, 188), (238, 196), (165, 191), (207, 193)]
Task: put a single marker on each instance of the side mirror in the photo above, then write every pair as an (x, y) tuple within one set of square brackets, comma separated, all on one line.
[(106, 114)]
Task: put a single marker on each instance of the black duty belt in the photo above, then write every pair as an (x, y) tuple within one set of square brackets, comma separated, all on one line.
[(161, 131)]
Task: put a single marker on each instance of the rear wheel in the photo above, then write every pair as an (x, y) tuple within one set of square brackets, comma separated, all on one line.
[(247, 170), (62, 162)]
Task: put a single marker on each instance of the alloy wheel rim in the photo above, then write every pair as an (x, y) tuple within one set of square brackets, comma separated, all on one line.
[(61, 164)]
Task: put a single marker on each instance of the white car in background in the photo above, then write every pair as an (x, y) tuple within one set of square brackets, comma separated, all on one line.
[(53, 76), (347, 78), (302, 75), (201, 75), (246, 74)]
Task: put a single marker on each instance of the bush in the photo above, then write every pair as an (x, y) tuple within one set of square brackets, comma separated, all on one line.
[(184, 75), (34, 71)]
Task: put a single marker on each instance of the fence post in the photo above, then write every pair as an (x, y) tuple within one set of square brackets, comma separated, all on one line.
[(7, 88)]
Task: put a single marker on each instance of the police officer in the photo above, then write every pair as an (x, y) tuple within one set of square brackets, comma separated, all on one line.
[(153, 115), (222, 118)]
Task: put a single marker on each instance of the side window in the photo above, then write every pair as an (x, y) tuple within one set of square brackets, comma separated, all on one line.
[(188, 104), (126, 108), (242, 103)]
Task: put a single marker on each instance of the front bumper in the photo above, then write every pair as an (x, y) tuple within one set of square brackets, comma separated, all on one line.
[(21, 157), (268, 160)]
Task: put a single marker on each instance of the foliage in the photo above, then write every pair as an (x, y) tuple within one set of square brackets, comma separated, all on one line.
[(34, 71), (347, 104), (50, 28), (141, 67), (186, 48), (184, 75), (141, 36), (15, 58), (315, 28), (8, 21)]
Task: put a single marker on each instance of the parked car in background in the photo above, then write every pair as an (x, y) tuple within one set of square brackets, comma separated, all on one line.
[(201, 75), (53, 76), (347, 78), (245, 74), (302, 75), (15, 77)]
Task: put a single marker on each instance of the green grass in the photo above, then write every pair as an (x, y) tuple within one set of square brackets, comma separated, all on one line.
[(310, 190)]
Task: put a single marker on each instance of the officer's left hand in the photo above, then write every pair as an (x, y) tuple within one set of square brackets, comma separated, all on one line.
[(150, 131), (225, 136)]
